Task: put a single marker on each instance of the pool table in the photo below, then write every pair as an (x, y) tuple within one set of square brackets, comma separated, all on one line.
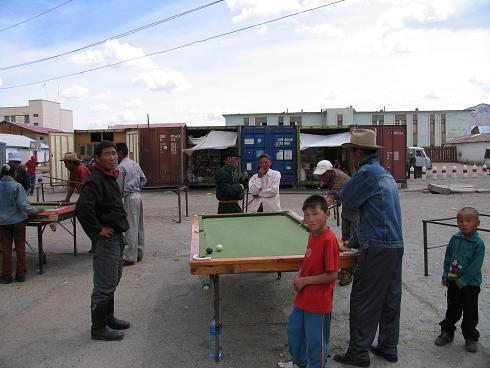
[(54, 212), (251, 242)]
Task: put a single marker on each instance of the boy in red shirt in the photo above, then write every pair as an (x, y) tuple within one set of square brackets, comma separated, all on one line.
[(309, 323)]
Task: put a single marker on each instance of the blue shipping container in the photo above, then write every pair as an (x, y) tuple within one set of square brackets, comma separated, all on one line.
[(279, 142)]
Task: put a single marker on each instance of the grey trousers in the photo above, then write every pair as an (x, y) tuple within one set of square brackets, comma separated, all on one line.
[(375, 301), (134, 238), (108, 265)]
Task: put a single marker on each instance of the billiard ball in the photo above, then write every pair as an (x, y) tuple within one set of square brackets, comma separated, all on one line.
[(219, 247), (209, 250)]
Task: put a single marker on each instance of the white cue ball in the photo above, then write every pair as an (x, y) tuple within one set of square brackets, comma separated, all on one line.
[(219, 247)]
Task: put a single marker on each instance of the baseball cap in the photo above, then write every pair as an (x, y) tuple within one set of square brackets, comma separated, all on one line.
[(322, 167)]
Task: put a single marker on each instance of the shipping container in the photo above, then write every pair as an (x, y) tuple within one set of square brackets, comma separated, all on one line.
[(279, 142), (86, 140), (393, 155), (309, 157), (161, 156), (59, 144), (202, 164)]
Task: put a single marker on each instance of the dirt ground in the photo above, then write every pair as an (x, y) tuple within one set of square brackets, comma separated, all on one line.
[(45, 322)]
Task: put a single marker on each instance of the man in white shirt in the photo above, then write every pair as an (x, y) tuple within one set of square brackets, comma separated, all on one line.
[(264, 186)]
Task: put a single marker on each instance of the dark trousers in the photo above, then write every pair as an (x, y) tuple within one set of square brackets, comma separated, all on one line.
[(462, 301), (32, 180), (108, 266), (375, 301), (15, 233), (229, 208)]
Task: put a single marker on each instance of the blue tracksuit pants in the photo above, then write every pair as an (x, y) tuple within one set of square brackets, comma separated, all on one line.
[(308, 335)]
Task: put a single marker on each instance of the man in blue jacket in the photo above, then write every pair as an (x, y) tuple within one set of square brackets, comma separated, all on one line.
[(376, 290)]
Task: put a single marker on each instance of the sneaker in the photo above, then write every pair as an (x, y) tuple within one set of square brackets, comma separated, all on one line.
[(289, 364), (443, 339), (470, 346)]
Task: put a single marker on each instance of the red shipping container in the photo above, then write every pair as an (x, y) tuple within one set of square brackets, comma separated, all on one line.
[(161, 155)]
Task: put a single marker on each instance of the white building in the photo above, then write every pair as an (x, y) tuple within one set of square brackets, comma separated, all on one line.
[(471, 148), (424, 128), (39, 113)]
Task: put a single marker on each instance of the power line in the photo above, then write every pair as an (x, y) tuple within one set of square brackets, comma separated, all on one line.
[(36, 16), (127, 33), (177, 47)]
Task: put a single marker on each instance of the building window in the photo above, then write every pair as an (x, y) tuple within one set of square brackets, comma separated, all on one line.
[(36, 124), (378, 119), (280, 120), (6, 118), (443, 129), (415, 127), (261, 120), (432, 129), (296, 120), (400, 119), (340, 120), (12, 118), (246, 120), (26, 119), (41, 138), (35, 115), (95, 137)]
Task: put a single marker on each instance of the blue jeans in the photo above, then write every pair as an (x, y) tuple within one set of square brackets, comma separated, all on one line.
[(108, 265), (32, 179), (308, 335)]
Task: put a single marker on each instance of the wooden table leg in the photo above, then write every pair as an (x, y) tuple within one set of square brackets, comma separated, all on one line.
[(40, 250)]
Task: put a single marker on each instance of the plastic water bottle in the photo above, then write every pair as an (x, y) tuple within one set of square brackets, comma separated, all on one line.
[(212, 339)]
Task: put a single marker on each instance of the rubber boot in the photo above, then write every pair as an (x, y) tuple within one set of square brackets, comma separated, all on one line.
[(100, 330), (113, 322)]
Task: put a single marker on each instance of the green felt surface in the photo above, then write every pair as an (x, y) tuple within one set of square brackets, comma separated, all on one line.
[(46, 206), (252, 235)]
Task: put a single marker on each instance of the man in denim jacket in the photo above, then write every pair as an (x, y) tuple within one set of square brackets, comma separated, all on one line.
[(376, 290)]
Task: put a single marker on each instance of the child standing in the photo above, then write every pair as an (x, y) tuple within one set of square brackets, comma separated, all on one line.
[(309, 323), (462, 277), (13, 216)]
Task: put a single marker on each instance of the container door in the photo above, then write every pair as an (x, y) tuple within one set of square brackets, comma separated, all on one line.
[(253, 144), (59, 144), (133, 143), (283, 152)]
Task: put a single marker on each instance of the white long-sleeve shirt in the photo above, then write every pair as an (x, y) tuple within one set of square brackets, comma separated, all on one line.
[(265, 191)]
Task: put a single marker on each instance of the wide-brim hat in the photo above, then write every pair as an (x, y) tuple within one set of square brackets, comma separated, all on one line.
[(70, 157), (232, 152), (362, 138)]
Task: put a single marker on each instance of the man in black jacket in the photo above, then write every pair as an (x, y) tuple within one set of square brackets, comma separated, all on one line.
[(229, 187), (21, 175), (101, 213)]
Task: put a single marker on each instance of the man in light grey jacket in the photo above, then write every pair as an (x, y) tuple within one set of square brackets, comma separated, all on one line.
[(131, 180)]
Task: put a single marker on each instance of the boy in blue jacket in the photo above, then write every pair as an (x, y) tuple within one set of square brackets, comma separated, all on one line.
[(462, 277)]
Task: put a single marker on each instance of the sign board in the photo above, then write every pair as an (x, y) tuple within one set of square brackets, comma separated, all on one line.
[(34, 145)]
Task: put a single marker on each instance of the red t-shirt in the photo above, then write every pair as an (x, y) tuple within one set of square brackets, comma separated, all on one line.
[(322, 255), (78, 177), (31, 166)]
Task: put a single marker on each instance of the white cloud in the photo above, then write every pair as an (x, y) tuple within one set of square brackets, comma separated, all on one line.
[(432, 95), (124, 116), (103, 96), (254, 8), (134, 103), (113, 52), (159, 80), (74, 93), (482, 83), (100, 108), (1, 82), (324, 28)]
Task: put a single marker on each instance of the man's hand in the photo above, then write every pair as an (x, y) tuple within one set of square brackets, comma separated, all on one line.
[(245, 175), (106, 232), (330, 201), (298, 283), (261, 172), (345, 244)]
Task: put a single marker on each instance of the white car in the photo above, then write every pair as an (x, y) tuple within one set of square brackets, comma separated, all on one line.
[(421, 158)]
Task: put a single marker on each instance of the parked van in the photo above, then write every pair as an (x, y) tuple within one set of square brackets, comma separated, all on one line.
[(418, 159), (486, 160)]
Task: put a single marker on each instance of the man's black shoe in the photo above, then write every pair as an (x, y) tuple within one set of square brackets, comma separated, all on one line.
[(128, 263), (117, 324), (389, 357), (347, 360)]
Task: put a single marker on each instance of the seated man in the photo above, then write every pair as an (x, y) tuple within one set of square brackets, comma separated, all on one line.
[(264, 186), (229, 187)]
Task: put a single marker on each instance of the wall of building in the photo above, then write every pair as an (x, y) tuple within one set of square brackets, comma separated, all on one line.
[(15, 114), (66, 120), (472, 152), (8, 128)]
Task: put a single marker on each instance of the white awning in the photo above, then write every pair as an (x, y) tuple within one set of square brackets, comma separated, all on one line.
[(19, 141), (215, 139), (314, 140)]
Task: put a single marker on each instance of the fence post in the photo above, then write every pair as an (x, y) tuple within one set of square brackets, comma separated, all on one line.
[(426, 253)]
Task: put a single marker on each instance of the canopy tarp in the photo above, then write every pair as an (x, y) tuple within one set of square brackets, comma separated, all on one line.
[(315, 140), (215, 139)]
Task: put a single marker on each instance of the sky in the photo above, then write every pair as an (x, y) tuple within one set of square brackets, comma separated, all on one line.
[(369, 54)]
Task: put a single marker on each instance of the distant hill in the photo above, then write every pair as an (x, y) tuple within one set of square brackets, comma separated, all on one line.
[(480, 115)]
